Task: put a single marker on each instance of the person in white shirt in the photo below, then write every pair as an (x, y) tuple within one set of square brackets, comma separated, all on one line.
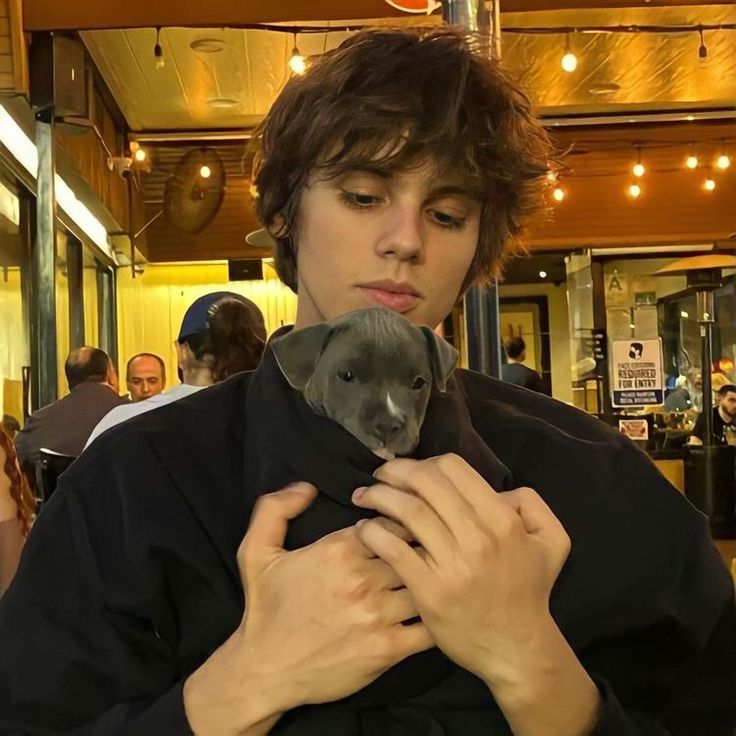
[(222, 333)]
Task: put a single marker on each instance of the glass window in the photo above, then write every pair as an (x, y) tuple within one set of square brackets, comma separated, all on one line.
[(14, 342), (63, 338)]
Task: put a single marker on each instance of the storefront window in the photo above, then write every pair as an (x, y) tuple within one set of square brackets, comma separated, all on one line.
[(14, 353)]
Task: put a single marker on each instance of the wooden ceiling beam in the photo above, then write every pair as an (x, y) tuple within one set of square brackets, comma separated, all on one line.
[(83, 15)]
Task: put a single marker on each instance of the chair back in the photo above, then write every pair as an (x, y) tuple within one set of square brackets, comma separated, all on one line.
[(49, 467)]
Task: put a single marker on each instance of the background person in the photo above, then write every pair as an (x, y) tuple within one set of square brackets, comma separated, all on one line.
[(64, 425), (145, 376), (514, 371), (221, 334), (724, 416)]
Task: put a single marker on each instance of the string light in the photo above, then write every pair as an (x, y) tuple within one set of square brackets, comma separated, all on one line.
[(638, 169), (702, 49), (723, 161), (297, 64), (158, 52), (542, 274), (569, 61), (205, 171), (558, 194), (634, 191), (709, 184), (140, 155), (692, 160)]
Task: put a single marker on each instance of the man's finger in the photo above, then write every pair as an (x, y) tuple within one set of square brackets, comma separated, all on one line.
[(398, 606), (389, 525), (272, 513)]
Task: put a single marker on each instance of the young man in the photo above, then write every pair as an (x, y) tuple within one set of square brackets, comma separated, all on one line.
[(724, 417), (145, 376), (431, 595)]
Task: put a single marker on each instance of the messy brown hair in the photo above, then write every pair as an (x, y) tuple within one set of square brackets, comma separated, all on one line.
[(432, 93)]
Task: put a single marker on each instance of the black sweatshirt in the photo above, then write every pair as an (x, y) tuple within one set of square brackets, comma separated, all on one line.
[(129, 579)]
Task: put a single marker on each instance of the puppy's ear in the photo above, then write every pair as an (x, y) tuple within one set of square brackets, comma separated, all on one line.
[(443, 357), (298, 351)]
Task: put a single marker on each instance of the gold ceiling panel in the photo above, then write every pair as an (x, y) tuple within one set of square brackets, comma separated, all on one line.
[(234, 86)]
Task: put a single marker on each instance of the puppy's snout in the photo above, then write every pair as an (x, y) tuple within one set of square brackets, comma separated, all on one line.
[(388, 429)]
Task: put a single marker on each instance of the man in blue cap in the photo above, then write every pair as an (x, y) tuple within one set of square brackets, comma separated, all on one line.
[(221, 333)]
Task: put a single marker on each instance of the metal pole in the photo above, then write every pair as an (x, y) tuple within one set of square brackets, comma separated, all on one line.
[(482, 320), (706, 317), (44, 261)]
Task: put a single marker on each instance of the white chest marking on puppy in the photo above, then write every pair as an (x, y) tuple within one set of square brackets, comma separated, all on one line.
[(393, 410)]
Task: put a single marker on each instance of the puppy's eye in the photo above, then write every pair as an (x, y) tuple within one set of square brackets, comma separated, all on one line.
[(419, 382), (346, 375)]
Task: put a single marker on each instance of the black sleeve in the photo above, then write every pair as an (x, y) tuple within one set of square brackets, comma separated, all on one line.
[(678, 678), (78, 655)]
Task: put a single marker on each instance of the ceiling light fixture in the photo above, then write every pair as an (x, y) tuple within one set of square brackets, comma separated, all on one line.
[(542, 274), (702, 49), (634, 191), (558, 194), (638, 169), (692, 160), (158, 52), (723, 161), (297, 64), (569, 61), (709, 184)]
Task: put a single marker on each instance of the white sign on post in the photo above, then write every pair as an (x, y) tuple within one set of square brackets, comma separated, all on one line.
[(636, 372)]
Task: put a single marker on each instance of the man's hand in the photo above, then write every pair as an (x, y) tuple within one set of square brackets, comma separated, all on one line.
[(481, 580), (320, 623)]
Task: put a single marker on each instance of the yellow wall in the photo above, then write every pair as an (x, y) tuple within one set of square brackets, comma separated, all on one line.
[(151, 306), (12, 344), (559, 332)]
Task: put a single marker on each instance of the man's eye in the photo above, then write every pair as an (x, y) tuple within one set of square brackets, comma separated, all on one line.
[(449, 221), (346, 375), (359, 200), (419, 382)]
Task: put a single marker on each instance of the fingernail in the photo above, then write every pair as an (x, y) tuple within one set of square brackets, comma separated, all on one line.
[(358, 493)]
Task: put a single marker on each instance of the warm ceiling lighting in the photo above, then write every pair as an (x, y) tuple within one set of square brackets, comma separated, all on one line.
[(709, 185), (569, 61), (691, 161), (140, 155), (205, 171), (634, 191), (723, 161), (558, 194), (638, 169), (297, 64), (542, 274)]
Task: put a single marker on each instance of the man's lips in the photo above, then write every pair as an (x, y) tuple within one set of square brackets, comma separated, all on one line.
[(398, 301)]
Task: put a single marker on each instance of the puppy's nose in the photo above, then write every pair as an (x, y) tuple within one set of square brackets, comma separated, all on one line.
[(388, 429)]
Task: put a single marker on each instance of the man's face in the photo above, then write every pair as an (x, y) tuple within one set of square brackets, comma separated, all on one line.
[(145, 378), (728, 404), (403, 241)]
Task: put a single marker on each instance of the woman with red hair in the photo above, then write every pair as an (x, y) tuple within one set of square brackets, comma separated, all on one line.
[(17, 508)]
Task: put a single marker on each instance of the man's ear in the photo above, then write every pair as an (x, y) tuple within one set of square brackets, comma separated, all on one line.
[(443, 357), (298, 351)]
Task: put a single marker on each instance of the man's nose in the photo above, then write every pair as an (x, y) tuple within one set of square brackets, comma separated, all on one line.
[(404, 238)]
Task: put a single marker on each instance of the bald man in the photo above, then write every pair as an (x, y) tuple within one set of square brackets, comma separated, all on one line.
[(145, 376), (65, 425)]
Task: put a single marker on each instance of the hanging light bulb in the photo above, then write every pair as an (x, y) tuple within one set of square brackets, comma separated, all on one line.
[(638, 169), (205, 171), (297, 64), (709, 184), (723, 161), (158, 52), (569, 61), (634, 191), (702, 49), (692, 160), (140, 155), (558, 194)]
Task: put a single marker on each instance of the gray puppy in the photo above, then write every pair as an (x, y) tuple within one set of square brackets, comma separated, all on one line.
[(371, 371)]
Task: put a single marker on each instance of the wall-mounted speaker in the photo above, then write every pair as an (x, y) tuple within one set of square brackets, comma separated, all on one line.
[(58, 76)]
